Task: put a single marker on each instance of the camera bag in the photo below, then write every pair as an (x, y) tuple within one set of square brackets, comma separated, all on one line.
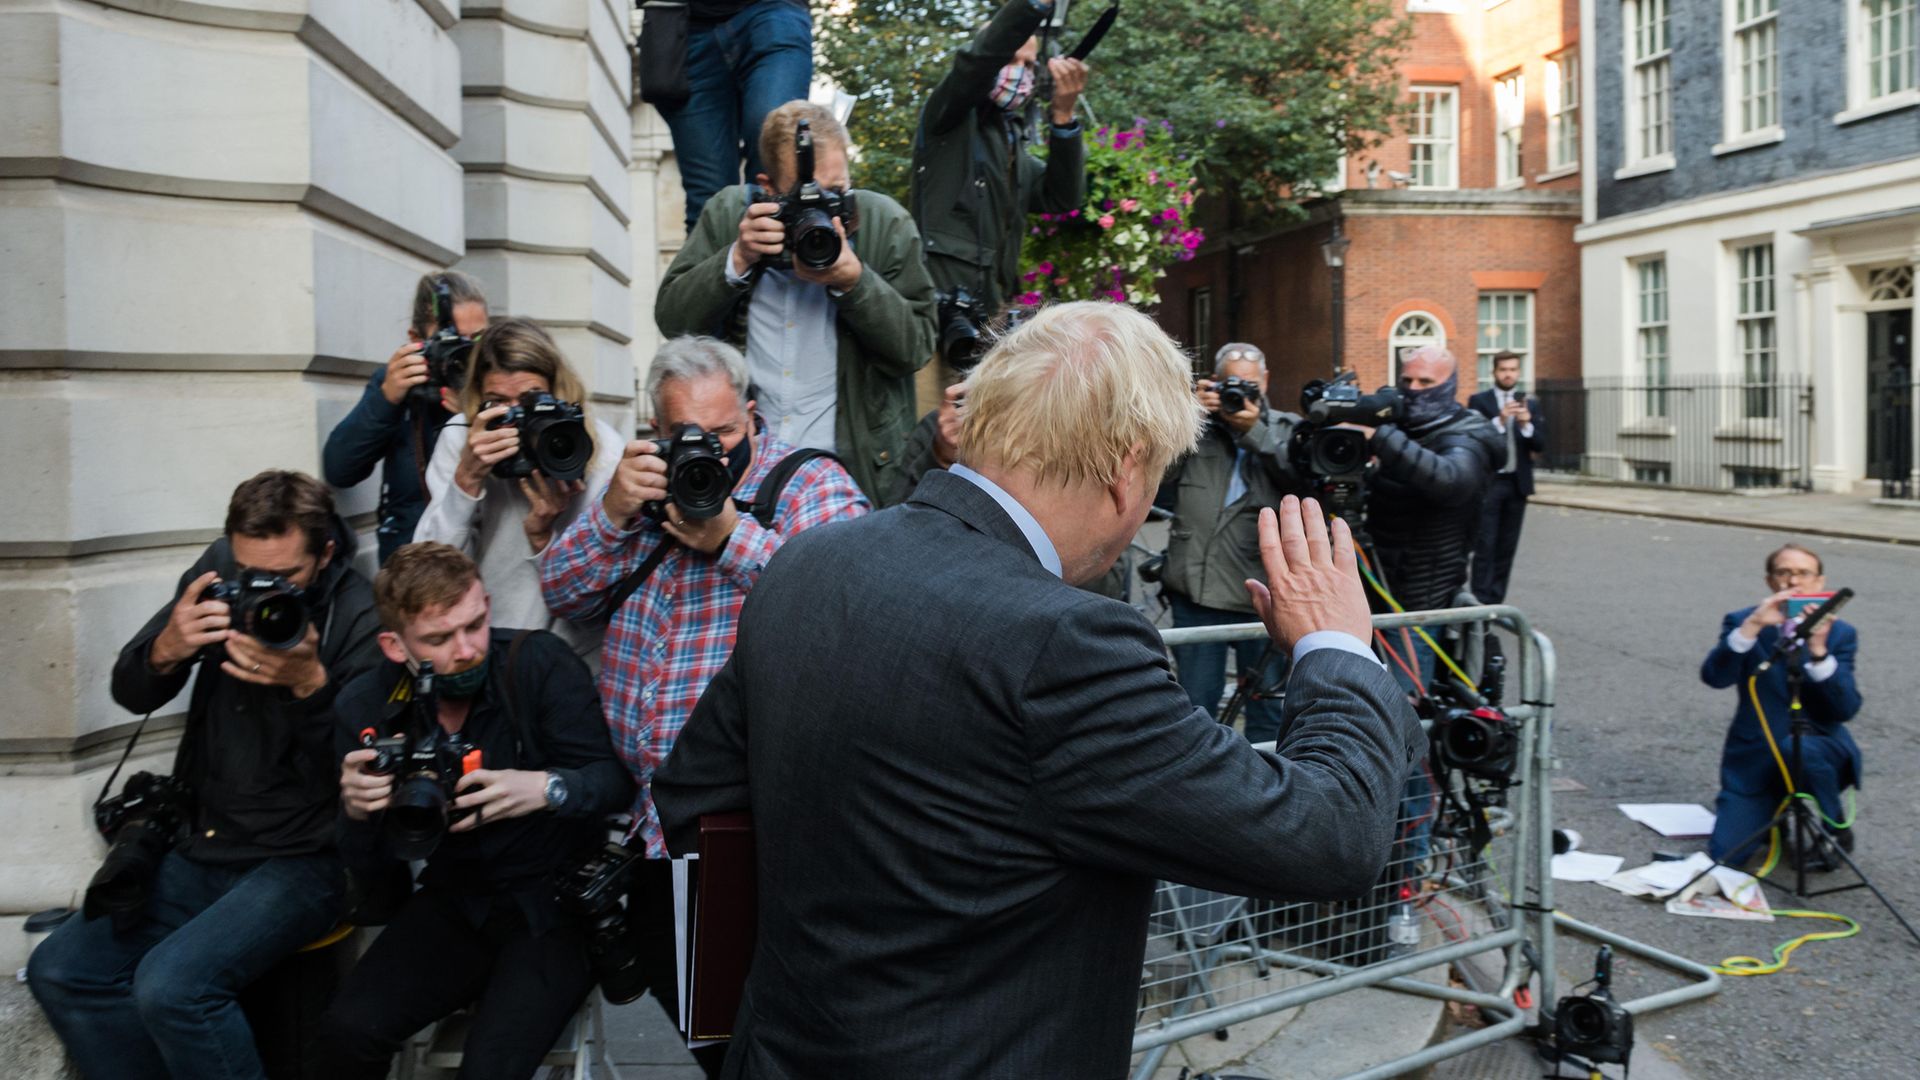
[(661, 73)]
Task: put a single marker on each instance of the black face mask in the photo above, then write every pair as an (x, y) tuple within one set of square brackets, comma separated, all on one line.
[(739, 458), (1433, 402)]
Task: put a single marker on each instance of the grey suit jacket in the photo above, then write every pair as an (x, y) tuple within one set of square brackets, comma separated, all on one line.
[(966, 776)]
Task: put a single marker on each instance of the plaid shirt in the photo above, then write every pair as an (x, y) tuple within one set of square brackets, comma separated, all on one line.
[(673, 634)]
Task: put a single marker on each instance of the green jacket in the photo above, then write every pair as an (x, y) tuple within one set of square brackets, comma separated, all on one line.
[(1213, 547), (885, 324), (974, 181)]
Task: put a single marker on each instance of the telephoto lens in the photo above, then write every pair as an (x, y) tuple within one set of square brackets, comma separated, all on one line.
[(266, 607)]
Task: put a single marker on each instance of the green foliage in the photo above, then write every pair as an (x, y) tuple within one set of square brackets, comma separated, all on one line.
[(1263, 95)]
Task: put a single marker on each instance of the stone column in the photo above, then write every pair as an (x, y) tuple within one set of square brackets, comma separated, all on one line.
[(212, 216)]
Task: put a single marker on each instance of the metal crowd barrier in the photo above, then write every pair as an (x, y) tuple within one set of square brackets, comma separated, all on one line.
[(1214, 961)]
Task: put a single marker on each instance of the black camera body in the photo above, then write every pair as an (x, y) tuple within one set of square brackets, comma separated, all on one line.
[(697, 478), (594, 891), (427, 762), (266, 607), (1235, 393), (963, 333), (807, 210), (553, 438), (447, 352), (1594, 1026), (141, 824), (1336, 461), (1481, 741)]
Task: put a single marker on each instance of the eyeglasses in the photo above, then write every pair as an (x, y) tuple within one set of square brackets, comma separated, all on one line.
[(1792, 574)]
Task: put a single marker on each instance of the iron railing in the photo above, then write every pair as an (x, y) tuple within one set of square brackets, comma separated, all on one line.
[(1892, 456), (1710, 433)]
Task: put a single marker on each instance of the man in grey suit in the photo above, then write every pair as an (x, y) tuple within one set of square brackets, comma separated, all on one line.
[(966, 774)]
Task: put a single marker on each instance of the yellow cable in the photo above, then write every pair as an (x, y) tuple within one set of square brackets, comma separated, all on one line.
[(1380, 590)]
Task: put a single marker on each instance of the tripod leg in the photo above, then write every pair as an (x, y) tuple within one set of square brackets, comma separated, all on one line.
[(1847, 857), (1741, 846)]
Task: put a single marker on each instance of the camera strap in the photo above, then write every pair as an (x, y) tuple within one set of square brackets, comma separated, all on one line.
[(122, 763)]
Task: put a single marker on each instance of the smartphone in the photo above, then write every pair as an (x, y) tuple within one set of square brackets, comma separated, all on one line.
[(1520, 396), (1801, 605)]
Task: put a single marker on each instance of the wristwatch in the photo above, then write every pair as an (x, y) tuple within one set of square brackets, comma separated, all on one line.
[(556, 790)]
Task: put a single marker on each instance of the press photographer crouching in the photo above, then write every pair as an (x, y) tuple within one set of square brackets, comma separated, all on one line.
[(483, 752), (822, 287), (1213, 547), (399, 416), (519, 465), (671, 552), (228, 866)]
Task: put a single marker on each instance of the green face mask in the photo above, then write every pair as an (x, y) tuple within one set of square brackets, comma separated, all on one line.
[(462, 684)]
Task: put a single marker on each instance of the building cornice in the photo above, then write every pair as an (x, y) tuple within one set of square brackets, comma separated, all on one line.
[(1748, 200)]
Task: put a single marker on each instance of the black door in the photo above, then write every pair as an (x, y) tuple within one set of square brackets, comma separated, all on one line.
[(1890, 399)]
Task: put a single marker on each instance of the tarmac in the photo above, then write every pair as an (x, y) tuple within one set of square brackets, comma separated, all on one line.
[(1842, 516)]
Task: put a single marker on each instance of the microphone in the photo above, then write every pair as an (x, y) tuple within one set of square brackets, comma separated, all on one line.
[(1804, 629)]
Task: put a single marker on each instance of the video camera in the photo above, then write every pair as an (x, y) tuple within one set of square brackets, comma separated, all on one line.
[(553, 438), (807, 210), (141, 824), (1335, 460), (963, 336), (697, 478), (266, 607), (593, 890), (446, 352), (428, 761)]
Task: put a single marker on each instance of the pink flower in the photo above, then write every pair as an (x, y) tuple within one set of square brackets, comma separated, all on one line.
[(1153, 176), (1129, 205), (1106, 204), (1030, 276), (1170, 215), (1045, 268), (1073, 213), (1186, 199), (1118, 296), (1106, 221), (1030, 299)]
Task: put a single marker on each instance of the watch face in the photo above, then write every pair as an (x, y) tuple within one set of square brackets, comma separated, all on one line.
[(556, 790)]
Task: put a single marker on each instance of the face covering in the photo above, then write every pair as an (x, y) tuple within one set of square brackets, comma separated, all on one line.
[(1013, 87), (739, 458), (459, 685), (1431, 403)]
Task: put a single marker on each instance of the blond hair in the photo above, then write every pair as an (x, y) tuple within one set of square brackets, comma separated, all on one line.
[(1066, 396), (777, 136), (519, 345)]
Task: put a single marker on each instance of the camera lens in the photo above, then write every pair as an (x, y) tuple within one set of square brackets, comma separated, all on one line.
[(1583, 1021), (1339, 452), (700, 486), (278, 620), (417, 819), (1467, 740), (815, 245), (561, 448)]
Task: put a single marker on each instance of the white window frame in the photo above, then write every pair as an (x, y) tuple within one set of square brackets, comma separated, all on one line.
[(1756, 327), (1451, 95), (1648, 66), (1563, 111), (1751, 48), (1510, 127), (1652, 323), (1862, 102), (1484, 352), (1397, 340)]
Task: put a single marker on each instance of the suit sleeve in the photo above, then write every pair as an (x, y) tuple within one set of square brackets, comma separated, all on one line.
[(1837, 697), (967, 84), (136, 687), (360, 440), (1130, 776), (1536, 442), (573, 730), (1450, 476), (1723, 667), (706, 772)]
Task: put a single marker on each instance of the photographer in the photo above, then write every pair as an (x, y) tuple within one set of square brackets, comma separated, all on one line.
[(485, 928), (1213, 548), (671, 629), (831, 351), (975, 179), (501, 521), (1751, 784), (401, 412), (151, 991)]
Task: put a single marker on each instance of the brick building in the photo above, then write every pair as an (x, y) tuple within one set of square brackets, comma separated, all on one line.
[(1460, 224)]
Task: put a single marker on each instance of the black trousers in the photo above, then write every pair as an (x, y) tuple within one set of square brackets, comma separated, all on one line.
[(650, 917), (430, 961), (1500, 518)]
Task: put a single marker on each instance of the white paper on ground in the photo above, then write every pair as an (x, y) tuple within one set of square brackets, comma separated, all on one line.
[(1659, 880), (1739, 898), (1585, 866), (1672, 819)]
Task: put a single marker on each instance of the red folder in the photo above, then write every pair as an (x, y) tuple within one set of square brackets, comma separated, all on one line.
[(725, 907)]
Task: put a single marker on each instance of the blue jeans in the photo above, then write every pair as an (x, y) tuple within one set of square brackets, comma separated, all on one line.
[(1745, 803), (161, 1000), (1203, 668), (738, 71)]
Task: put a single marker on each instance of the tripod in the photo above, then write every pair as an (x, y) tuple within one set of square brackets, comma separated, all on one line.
[(1802, 822)]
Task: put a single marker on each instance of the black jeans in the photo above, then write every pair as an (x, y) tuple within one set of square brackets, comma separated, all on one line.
[(650, 915), (432, 960)]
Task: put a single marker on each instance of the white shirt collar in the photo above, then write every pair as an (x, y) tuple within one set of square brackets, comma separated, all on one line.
[(1029, 527)]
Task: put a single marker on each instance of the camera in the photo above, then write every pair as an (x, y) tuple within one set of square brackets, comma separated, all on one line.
[(1235, 393), (446, 352), (1594, 1026), (963, 339), (1481, 741), (593, 891), (553, 438), (807, 210), (141, 825), (697, 479), (428, 762), (266, 607)]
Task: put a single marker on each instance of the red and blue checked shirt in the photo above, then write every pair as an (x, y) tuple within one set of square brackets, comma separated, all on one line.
[(673, 634)]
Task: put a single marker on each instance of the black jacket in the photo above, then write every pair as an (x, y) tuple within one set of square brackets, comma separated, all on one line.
[(559, 727), (1424, 510), (259, 761), (378, 432), (960, 811), (1525, 446)]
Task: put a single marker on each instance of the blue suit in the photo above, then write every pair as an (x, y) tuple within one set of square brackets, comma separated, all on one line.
[(1751, 786)]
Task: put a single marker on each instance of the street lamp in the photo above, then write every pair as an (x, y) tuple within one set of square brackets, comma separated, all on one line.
[(1334, 249)]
